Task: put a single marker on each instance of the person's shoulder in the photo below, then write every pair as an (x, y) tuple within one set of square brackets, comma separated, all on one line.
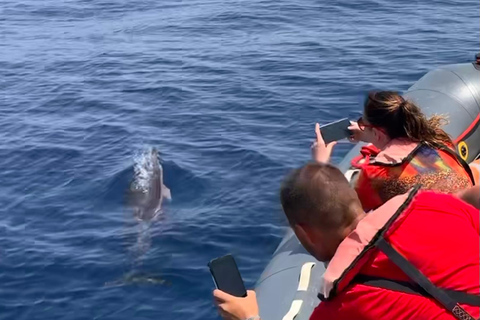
[(327, 310), (427, 196), (439, 201)]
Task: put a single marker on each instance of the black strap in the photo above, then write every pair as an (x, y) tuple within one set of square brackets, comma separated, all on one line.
[(462, 162), (413, 288), (415, 274)]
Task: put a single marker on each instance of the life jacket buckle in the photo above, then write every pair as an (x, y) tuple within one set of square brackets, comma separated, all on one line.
[(461, 313)]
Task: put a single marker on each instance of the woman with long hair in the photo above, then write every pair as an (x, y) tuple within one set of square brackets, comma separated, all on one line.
[(405, 149)]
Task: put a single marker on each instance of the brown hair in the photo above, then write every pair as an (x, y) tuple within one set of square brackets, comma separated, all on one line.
[(318, 194), (403, 119)]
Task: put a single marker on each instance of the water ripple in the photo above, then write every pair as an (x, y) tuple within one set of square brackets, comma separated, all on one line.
[(228, 91)]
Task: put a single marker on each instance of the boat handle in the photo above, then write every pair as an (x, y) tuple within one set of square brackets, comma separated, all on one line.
[(305, 273), (294, 310)]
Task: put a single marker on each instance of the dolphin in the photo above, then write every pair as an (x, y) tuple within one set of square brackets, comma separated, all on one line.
[(147, 200)]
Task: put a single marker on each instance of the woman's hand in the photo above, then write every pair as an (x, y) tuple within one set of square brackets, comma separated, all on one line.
[(321, 152), (234, 308), (357, 134)]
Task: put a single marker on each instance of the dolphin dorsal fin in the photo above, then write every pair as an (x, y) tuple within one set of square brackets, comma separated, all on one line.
[(166, 192)]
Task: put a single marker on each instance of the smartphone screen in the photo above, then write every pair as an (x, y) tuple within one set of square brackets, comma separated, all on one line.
[(335, 131), (226, 276)]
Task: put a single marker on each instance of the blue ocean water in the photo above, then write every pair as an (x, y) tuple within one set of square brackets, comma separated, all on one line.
[(228, 91)]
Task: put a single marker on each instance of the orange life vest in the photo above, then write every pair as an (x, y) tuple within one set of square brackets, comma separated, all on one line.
[(385, 174)]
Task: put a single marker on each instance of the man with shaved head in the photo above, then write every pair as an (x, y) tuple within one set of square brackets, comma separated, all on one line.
[(415, 257)]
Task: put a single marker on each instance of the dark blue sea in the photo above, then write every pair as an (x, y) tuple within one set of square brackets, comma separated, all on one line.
[(228, 91)]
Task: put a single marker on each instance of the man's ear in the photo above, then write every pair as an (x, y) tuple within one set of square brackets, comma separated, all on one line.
[(304, 234)]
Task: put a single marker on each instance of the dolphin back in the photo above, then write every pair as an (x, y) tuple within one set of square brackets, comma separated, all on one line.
[(147, 189)]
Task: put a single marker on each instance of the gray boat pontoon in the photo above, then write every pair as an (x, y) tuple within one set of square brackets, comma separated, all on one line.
[(289, 285)]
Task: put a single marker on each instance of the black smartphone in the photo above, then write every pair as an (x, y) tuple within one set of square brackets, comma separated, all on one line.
[(226, 276), (336, 130)]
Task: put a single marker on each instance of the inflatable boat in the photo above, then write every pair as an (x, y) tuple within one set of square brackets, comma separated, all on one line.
[(288, 287)]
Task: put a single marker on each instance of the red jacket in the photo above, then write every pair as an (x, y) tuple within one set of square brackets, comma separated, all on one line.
[(437, 233)]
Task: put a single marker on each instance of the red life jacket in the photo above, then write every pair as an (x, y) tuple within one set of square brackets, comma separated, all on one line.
[(437, 234), (403, 164)]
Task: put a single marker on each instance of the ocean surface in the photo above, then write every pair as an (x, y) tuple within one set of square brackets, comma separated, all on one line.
[(228, 91)]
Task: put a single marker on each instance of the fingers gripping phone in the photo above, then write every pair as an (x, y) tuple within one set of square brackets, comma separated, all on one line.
[(335, 131), (226, 276)]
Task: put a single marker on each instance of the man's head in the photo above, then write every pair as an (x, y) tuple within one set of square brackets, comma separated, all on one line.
[(321, 207)]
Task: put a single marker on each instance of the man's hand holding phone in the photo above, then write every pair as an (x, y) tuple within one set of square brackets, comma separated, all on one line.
[(235, 308), (234, 302)]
